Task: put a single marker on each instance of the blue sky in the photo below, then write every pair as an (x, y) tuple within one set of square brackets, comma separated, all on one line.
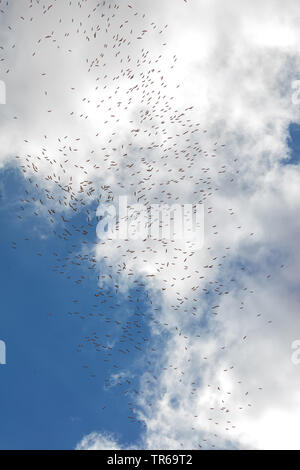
[(294, 144), (47, 399)]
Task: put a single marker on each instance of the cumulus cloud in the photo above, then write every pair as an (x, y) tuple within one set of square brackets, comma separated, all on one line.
[(98, 441)]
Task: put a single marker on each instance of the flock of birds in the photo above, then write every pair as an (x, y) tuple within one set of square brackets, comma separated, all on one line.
[(125, 134)]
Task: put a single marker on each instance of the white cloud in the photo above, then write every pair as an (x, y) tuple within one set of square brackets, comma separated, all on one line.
[(98, 441)]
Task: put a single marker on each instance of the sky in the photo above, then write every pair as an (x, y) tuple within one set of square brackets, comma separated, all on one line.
[(149, 341)]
